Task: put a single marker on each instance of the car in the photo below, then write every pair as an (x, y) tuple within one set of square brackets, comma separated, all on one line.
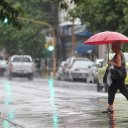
[(83, 70), (99, 80), (68, 64), (60, 71), (21, 66)]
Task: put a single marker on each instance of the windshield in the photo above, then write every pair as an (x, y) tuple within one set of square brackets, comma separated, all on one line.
[(82, 64), (21, 59)]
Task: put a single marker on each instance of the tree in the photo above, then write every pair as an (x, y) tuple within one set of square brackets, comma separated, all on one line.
[(102, 15), (30, 39), (8, 14)]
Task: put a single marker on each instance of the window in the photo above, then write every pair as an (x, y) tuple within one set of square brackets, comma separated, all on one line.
[(21, 59)]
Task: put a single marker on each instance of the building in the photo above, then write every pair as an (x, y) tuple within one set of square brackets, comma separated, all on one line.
[(73, 34)]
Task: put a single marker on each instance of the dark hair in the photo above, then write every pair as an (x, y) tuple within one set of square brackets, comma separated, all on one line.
[(117, 45)]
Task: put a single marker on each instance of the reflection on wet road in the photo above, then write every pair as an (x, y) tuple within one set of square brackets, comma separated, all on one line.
[(44, 103), (52, 102), (7, 101)]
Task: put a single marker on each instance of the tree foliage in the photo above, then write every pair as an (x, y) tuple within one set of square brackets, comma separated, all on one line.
[(8, 14), (102, 15), (30, 39)]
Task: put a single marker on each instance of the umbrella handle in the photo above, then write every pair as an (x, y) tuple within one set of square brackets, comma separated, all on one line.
[(108, 50)]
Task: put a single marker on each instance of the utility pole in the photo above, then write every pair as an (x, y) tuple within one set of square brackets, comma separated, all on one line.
[(73, 38), (56, 22)]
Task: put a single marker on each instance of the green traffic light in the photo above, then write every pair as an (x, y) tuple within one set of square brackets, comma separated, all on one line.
[(5, 20), (51, 48)]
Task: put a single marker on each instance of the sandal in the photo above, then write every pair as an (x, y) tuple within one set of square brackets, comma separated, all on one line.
[(108, 111)]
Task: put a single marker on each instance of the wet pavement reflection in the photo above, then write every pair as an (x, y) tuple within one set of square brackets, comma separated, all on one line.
[(46, 103)]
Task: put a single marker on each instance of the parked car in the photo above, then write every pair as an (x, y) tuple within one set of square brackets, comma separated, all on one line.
[(83, 70), (101, 71), (68, 64), (21, 66), (60, 71), (3, 66)]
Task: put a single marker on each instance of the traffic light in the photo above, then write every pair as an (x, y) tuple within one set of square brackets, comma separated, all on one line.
[(50, 48), (6, 19), (8, 15)]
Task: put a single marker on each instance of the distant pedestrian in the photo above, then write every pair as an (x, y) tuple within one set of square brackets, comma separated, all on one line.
[(117, 61)]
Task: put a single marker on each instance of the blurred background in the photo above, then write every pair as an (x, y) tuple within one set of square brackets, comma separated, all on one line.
[(51, 31)]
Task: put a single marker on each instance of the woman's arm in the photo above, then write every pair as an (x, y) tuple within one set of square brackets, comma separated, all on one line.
[(117, 61)]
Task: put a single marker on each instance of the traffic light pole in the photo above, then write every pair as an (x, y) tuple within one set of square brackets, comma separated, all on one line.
[(54, 38), (73, 38)]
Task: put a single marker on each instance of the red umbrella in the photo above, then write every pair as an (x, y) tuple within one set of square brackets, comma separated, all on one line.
[(107, 37)]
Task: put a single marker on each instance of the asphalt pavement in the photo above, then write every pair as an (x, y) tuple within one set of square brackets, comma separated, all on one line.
[(47, 103)]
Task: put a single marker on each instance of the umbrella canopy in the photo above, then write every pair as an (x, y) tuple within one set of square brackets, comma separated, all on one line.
[(106, 37)]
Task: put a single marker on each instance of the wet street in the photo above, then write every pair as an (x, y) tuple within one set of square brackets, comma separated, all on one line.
[(45, 103)]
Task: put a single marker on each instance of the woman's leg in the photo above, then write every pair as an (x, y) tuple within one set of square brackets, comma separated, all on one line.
[(111, 94), (123, 89)]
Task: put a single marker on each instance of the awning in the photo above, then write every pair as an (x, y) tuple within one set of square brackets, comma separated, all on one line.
[(85, 33), (83, 49)]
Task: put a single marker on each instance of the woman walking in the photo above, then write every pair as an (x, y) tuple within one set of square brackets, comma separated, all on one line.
[(118, 61)]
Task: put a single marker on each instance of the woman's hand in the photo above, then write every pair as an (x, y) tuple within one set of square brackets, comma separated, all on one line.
[(110, 62)]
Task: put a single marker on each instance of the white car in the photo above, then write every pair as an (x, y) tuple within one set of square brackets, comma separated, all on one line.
[(83, 70), (69, 62), (22, 66)]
